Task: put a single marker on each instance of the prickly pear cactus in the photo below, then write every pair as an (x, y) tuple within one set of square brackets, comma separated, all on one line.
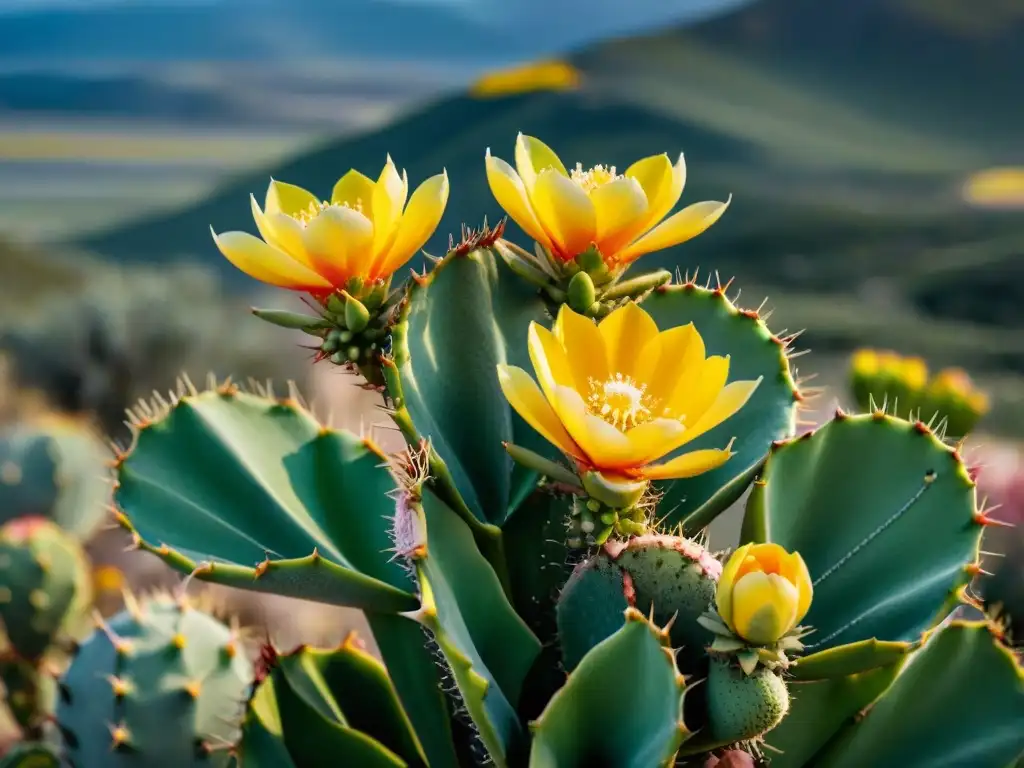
[(534, 565), (160, 684), (55, 468), (45, 594)]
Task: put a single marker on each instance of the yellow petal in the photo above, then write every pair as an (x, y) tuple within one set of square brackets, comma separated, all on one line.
[(723, 594), (338, 243), (583, 345), (421, 217), (388, 201), (797, 573), (669, 194), (549, 360), (281, 231), (680, 355), (732, 397), (288, 199), (355, 190), (619, 206), (532, 157), (266, 263), (696, 393), (565, 212), (626, 333), (688, 465), (764, 607), (653, 439), (510, 192), (654, 175), (676, 229), (528, 401), (605, 446)]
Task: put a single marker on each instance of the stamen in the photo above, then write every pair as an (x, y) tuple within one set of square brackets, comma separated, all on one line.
[(621, 401), (309, 213), (594, 177)]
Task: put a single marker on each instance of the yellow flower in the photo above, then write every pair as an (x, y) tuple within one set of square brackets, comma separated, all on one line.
[(365, 230), (568, 211), (535, 76), (107, 578), (956, 382), (619, 395), (764, 592)]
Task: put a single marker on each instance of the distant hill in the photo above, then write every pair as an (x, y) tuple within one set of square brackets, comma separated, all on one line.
[(844, 131)]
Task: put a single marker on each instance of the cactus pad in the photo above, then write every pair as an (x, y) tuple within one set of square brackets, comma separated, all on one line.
[(884, 515), (162, 684), (741, 706), (58, 470), (456, 325), (324, 708), (621, 706), (30, 755), (769, 415), (960, 702), (253, 492), (667, 576)]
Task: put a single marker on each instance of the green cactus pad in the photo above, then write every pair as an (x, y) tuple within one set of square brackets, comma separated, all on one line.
[(959, 702), (621, 706), (327, 708), (30, 755), (669, 575), (45, 587), (456, 325), (162, 685), (58, 470), (741, 706), (884, 515), (842, 660), (486, 646), (769, 415), (253, 492), (818, 710)]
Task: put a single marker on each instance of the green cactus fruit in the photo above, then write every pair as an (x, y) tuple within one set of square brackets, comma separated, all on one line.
[(669, 575), (55, 468), (743, 707), (162, 685), (30, 755)]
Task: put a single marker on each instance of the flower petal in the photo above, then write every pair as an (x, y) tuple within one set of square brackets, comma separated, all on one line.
[(688, 465), (266, 263), (620, 206), (528, 401), (764, 607), (565, 212), (732, 397), (605, 446), (288, 199), (676, 229), (626, 333), (338, 243), (583, 345), (281, 231), (795, 569), (388, 201), (510, 192), (421, 217), (653, 439), (726, 582), (549, 360), (694, 394), (654, 175), (534, 156), (355, 190), (679, 353)]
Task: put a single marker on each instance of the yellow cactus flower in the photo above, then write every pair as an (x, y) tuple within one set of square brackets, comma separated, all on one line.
[(568, 212), (108, 578), (619, 395), (365, 230), (763, 592), (956, 382), (535, 76)]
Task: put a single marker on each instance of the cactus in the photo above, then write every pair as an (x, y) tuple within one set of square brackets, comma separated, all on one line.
[(45, 594), (55, 467), (532, 565), (160, 684), (31, 755)]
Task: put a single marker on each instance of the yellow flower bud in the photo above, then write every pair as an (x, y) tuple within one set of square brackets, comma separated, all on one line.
[(764, 592)]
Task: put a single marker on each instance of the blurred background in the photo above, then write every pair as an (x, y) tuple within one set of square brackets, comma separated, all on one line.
[(874, 150)]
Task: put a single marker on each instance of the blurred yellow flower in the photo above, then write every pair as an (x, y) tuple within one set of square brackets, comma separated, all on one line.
[(536, 76), (366, 230), (957, 383), (763, 592), (996, 188), (567, 212), (619, 395), (107, 578)]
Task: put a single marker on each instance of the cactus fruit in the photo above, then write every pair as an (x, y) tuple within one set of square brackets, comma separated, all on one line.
[(45, 593), (743, 707), (55, 467), (160, 684), (669, 576)]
